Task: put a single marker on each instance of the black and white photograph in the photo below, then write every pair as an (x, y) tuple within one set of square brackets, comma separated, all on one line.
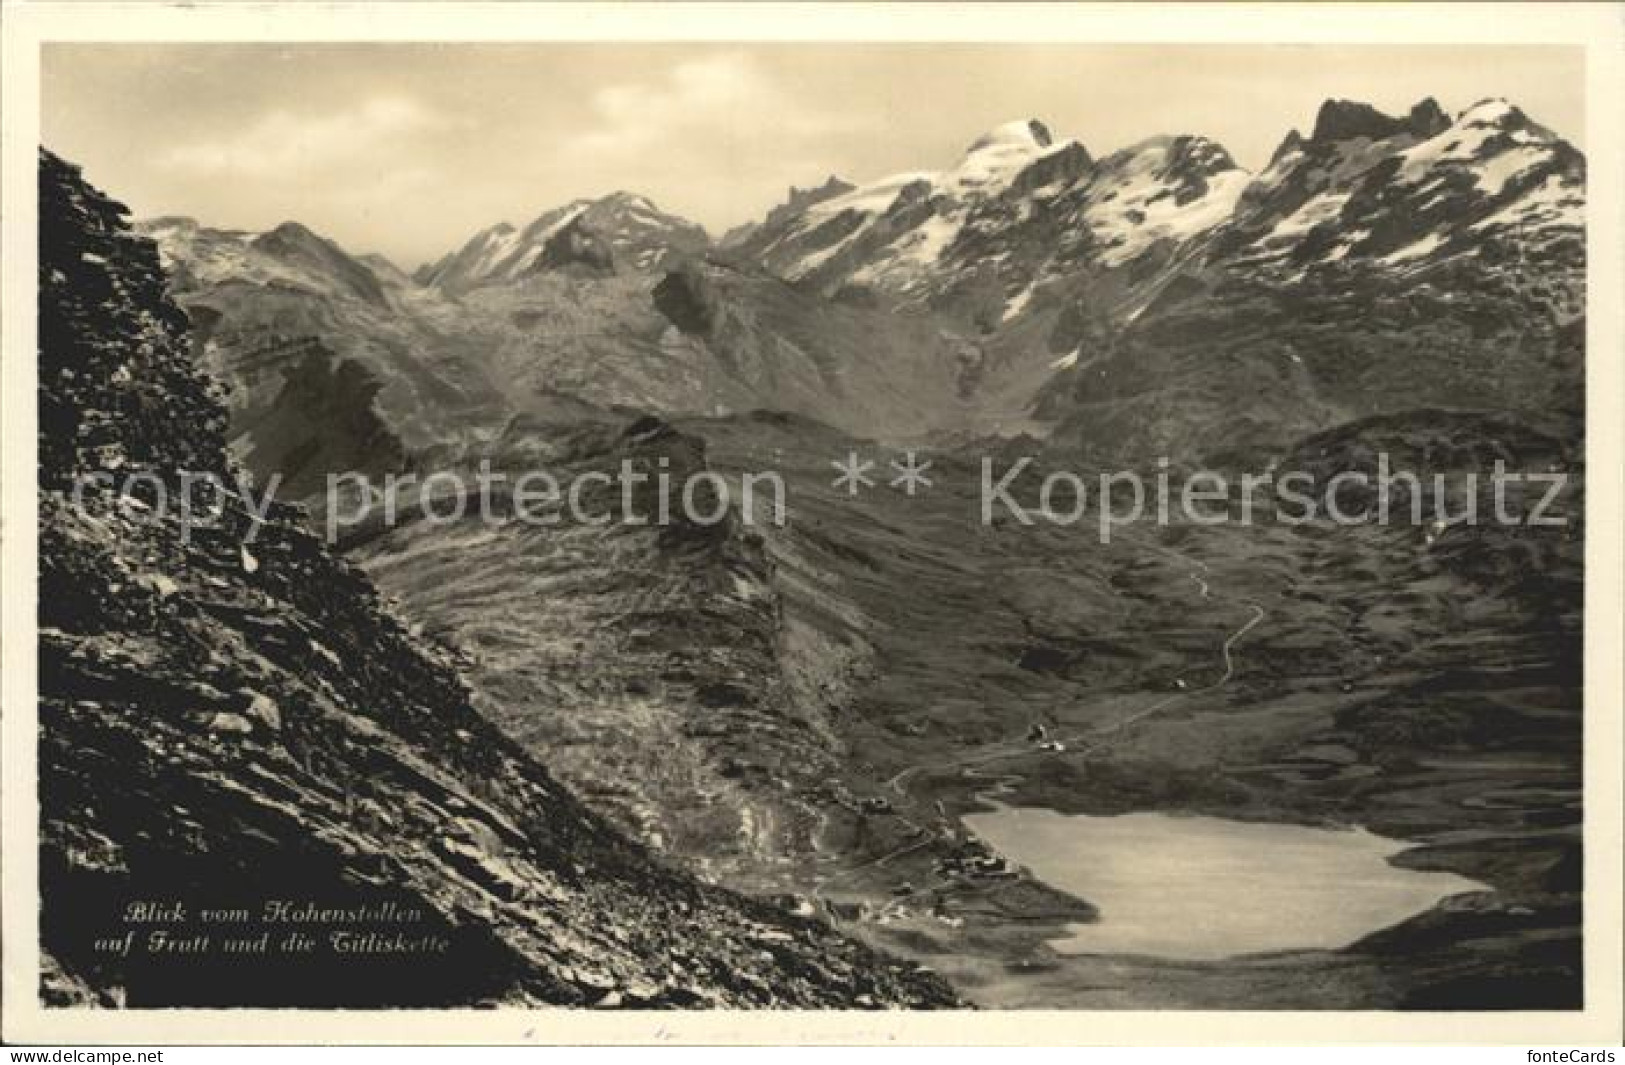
[(578, 523)]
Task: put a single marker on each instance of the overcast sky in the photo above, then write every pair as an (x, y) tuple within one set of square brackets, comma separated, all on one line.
[(409, 149)]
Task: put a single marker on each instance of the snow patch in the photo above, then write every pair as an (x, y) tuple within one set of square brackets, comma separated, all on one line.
[(1163, 218)]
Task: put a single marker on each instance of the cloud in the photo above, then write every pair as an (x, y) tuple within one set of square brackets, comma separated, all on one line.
[(703, 103), (286, 144)]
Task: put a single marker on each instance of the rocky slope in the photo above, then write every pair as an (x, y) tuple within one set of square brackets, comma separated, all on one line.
[(648, 664), (1025, 210), (228, 721)]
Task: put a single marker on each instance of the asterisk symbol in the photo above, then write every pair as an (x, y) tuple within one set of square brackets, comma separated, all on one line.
[(911, 473), (853, 473)]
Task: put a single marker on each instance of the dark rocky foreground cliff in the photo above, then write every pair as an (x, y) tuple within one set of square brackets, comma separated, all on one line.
[(232, 718)]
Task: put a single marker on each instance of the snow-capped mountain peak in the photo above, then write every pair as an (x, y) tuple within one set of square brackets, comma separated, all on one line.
[(1404, 194)]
